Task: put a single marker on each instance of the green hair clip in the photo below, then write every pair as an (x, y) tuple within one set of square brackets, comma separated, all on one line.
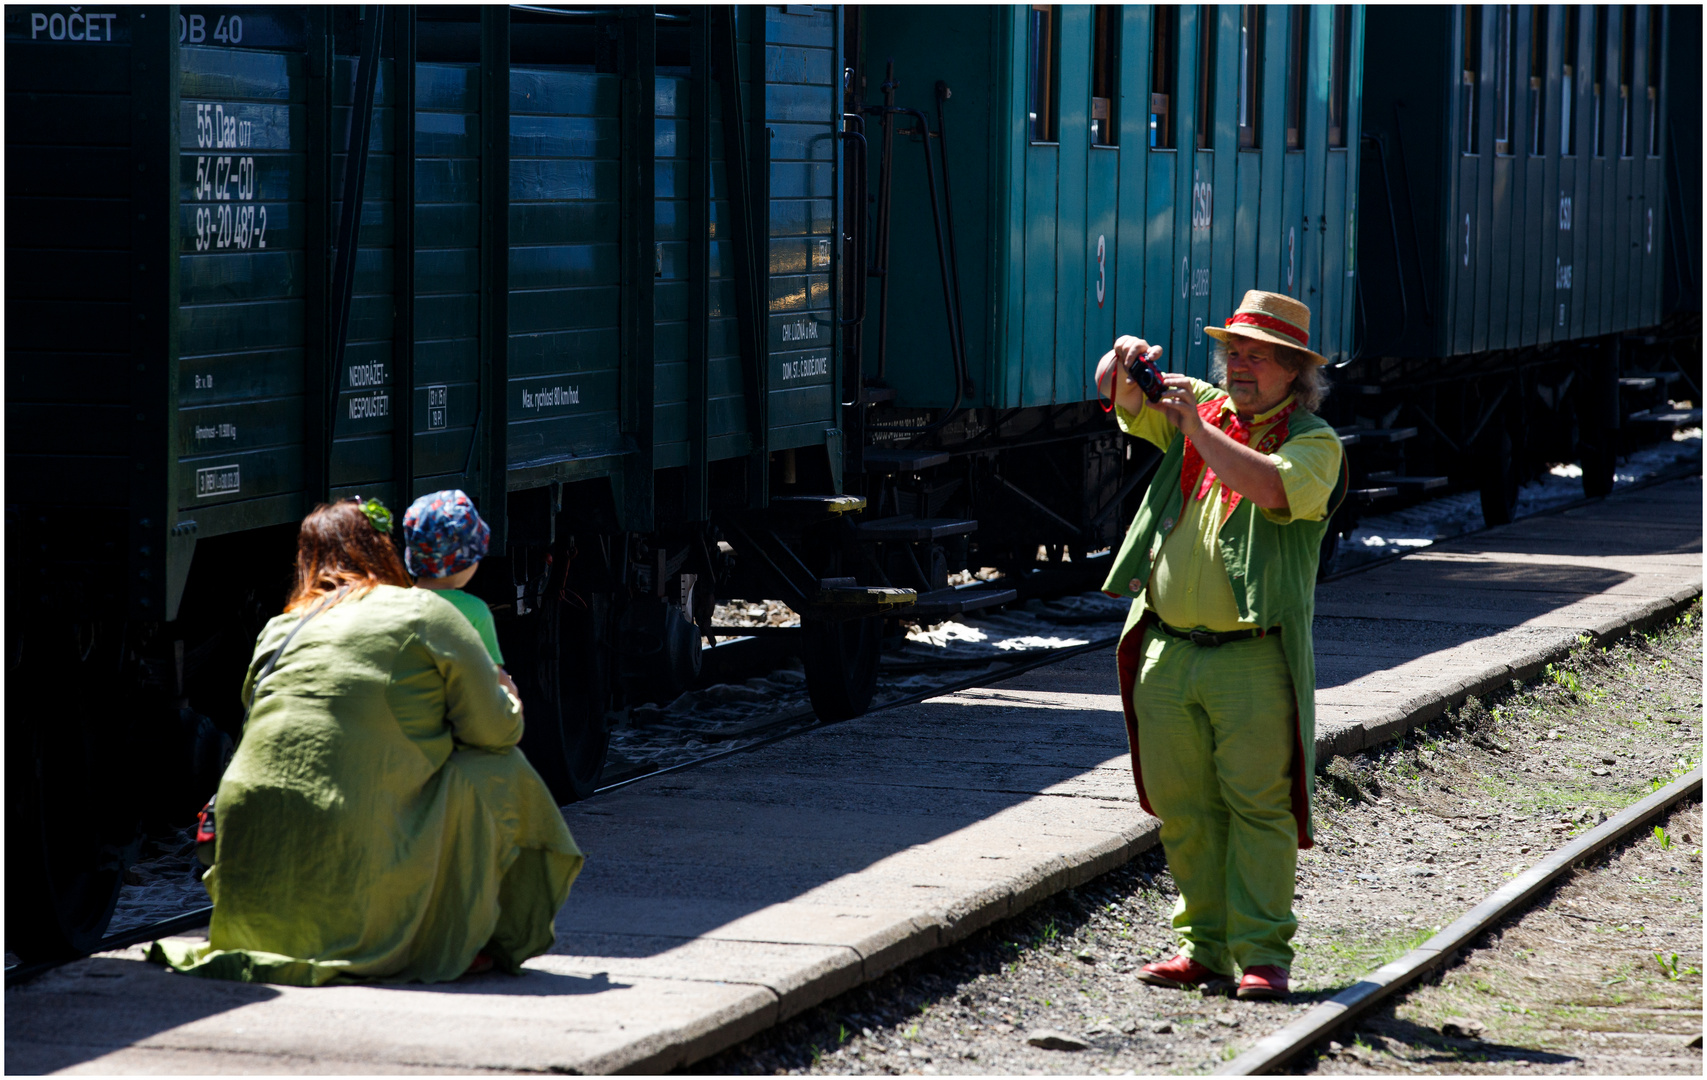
[(378, 514)]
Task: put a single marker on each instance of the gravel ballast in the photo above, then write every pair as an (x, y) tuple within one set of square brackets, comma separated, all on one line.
[(1412, 833)]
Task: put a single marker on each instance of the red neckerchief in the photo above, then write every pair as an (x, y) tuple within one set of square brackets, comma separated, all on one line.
[(1229, 422)]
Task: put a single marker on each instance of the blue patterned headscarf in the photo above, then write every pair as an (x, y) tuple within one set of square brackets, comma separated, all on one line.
[(443, 535)]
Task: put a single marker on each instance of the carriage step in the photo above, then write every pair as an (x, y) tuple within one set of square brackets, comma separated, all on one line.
[(1349, 436), (902, 461), (1638, 382), (817, 505), (1418, 483), (1667, 377), (939, 604), (844, 598), (1670, 418), (1370, 494), (914, 529)]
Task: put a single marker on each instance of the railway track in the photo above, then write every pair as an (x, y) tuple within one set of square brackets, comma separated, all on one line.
[(1274, 1052)]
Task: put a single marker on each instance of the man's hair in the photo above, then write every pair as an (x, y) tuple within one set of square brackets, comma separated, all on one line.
[(338, 545), (1310, 386)]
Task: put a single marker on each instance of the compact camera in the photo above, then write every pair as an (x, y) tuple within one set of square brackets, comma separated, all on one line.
[(1143, 371)]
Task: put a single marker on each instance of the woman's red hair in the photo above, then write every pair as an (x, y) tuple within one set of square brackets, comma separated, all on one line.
[(337, 546)]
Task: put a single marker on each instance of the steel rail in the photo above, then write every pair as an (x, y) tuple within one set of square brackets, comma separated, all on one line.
[(1018, 667), (1272, 1052)]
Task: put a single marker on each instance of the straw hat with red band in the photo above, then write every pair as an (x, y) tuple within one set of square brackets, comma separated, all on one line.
[(1273, 317)]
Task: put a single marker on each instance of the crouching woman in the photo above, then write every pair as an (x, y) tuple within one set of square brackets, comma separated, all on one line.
[(377, 821)]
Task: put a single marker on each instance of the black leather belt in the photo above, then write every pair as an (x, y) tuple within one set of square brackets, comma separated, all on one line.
[(1210, 640)]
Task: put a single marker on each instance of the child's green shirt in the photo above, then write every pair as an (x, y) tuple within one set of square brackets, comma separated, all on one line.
[(477, 613)]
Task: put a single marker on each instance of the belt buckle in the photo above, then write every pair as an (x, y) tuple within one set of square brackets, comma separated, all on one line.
[(1203, 638)]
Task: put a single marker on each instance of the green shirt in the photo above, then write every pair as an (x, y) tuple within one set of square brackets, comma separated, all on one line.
[(1188, 585), (479, 615)]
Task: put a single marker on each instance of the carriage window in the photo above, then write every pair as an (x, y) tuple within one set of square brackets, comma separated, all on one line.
[(1537, 76), (1105, 75), (1505, 74), (1568, 86), (1164, 72), (1468, 78), (1626, 69), (1206, 21), (1339, 75), (1297, 60), (1250, 75), (1656, 24), (1598, 46), (1045, 75)]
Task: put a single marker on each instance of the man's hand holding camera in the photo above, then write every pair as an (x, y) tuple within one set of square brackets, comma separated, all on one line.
[(1241, 468)]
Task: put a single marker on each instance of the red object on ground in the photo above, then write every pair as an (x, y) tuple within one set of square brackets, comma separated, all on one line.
[(1180, 973), (1264, 982)]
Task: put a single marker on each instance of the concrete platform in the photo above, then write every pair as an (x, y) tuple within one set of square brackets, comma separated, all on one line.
[(721, 900)]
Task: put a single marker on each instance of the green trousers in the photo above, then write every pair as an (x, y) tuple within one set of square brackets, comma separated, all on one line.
[(1215, 742)]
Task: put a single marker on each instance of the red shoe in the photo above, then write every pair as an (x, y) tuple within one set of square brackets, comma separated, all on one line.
[(1264, 982), (1180, 973)]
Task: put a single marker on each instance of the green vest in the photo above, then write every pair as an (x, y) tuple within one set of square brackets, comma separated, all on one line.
[(1272, 569)]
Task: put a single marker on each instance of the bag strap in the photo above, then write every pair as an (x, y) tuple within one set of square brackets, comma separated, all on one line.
[(267, 669)]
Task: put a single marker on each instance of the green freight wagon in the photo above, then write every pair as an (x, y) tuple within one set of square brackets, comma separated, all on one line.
[(580, 263)]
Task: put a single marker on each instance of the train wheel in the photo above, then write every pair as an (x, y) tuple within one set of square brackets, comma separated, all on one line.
[(72, 825), (559, 662), (841, 665), (1500, 478)]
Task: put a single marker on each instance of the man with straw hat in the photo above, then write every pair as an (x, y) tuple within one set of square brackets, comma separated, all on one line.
[(1217, 670)]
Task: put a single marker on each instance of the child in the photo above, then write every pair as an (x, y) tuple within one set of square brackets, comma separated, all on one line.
[(443, 543)]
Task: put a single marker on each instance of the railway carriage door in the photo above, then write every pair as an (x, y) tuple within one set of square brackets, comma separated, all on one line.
[(1313, 231), (1223, 174), (1042, 153), (1200, 26), (1273, 96), (1340, 190), (1103, 184), (1644, 230), (1463, 223), (1653, 167), (1162, 275), (1574, 120), (1504, 221), (1594, 217), (253, 191), (1249, 122), (1291, 228), (1622, 263), (1072, 137), (1536, 262)]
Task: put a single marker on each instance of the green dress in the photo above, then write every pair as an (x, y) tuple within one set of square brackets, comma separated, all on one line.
[(377, 820)]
